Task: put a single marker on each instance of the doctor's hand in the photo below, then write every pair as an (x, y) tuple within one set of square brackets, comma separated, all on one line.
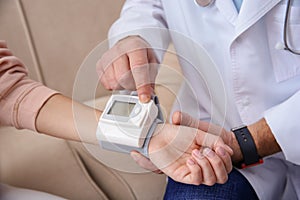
[(130, 64)]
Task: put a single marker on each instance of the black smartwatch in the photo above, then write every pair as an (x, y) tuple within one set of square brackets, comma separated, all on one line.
[(248, 148)]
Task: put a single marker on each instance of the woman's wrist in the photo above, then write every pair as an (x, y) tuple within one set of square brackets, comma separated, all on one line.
[(63, 118)]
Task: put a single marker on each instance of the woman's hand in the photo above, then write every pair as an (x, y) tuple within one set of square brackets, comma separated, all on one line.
[(184, 119), (187, 155)]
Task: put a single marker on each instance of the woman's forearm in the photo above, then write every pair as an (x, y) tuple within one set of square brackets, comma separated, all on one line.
[(63, 118)]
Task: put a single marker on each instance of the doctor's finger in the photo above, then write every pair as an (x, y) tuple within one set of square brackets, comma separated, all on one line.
[(5, 52), (123, 73), (195, 176), (217, 165), (208, 175), (145, 92), (109, 79), (104, 82), (139, 65), (3, 44), (212, 141), (226, 158), (153, 65), (184, 119)]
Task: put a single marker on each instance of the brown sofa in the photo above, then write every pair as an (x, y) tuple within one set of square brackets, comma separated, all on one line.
[(53, 37)]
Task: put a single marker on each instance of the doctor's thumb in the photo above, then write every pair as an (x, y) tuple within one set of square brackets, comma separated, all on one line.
[(184, 119)]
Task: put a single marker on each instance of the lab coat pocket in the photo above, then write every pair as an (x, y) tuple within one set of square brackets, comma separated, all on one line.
[(286, 65)]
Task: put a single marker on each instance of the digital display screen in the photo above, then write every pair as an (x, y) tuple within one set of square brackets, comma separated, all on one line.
[(121, 108)]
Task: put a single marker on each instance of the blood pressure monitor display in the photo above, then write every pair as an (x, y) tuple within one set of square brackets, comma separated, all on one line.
[(121, 108)]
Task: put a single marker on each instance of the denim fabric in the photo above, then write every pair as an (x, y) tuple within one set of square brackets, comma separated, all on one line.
[(236, 188)]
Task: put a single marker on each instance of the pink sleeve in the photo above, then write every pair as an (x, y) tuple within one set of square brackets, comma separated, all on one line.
[(20, 97)]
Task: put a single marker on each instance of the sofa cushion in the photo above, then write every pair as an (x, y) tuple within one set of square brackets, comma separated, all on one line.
[(38, 162)]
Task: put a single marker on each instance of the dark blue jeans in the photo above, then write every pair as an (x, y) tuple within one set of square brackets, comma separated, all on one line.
[(236, 188)]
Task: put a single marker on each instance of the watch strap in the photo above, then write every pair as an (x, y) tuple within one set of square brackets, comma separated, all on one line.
[(248, 148)]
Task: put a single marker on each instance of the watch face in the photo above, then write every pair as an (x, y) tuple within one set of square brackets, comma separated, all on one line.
[(121, 108)]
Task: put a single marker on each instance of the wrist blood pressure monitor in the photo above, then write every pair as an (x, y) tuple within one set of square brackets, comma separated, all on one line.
[(126, 124)]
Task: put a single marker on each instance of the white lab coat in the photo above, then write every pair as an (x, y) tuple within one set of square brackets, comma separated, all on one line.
[(251, 78)]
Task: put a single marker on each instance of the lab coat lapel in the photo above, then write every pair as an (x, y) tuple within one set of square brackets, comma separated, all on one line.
[(228, 10), (251, 11)]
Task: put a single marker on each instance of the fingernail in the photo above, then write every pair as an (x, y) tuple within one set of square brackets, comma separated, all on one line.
[(135, 156), (190, 162), (144, 98), (198, 154), (221, 151), (208, 152)]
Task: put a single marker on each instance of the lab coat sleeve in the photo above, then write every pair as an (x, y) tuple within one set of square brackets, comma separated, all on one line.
[(143, 18), (283, 120)]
